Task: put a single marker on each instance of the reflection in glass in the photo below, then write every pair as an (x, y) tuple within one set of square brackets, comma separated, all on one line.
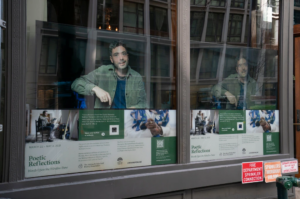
[(197, 19), (242, 75), (100, 55), (133, 17), (214, 27), (159, 21), (237, 3), (209, 64), (235, 28), (220, 3), (198, 2)]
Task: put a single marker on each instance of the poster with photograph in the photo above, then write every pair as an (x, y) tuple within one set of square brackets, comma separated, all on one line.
[(68, 141), (222, 134)]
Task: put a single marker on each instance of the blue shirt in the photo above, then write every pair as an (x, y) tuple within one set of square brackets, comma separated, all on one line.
[(119, 101)]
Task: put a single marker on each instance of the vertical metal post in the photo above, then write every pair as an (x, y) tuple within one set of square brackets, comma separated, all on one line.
[(2, 25)]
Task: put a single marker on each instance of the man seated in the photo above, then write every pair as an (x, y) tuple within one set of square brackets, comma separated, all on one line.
[(237, 88), (117, 85), (44, 124)]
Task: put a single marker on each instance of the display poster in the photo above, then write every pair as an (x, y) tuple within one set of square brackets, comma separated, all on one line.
[(289, 166), (252, 172), (222, 134), (272, 171), (90, 140)]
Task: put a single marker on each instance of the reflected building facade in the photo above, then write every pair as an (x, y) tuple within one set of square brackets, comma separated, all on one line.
[(220, 33), (66, 45)]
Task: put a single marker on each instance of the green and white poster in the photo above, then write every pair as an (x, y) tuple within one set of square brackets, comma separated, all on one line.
[(90, 140), (223, 134)]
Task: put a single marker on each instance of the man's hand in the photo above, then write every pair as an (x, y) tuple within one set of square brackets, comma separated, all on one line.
[(231, 98), (153, 127), (102, 94), (265, 125)]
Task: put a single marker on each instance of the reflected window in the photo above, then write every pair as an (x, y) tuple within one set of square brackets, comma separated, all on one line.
[(194, 62), (108, 15), (197, 22), (198, 2), (133, 18), (297, 3), (235, 28), (296, 17), (48, 62), (159, 21), (218, 3), (237, 3), (214, 27), (46, 97), (160, 60), (209, 64)]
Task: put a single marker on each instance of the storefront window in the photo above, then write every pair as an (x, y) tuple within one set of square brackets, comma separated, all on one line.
[(101, 85), (234, 82)]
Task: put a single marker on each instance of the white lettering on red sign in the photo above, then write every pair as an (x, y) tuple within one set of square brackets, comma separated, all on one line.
[(289, 166), (252, 172)]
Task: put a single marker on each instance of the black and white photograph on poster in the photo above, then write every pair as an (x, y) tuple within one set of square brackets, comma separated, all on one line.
[(53, 125), (262, 121), (204, 121), (150, 123)]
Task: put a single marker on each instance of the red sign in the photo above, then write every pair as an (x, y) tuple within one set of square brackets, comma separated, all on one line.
[(252, 172), (289, 166)]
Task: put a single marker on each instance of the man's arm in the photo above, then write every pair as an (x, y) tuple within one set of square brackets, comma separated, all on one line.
[(87, 85), (84, 84), (220, 90)]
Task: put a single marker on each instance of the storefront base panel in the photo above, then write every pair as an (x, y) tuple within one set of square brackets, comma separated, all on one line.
[(90, 191)]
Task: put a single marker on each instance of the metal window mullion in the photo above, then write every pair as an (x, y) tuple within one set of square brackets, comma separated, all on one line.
[(286, 54), (225, 22), (205, 23), (183, 80), (121, 13), (244, 22), (147, 63)]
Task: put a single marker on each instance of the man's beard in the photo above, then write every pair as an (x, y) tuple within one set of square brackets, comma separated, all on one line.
[(119, 68)]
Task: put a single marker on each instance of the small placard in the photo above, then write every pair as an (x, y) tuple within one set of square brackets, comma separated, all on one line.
[(252, 172), (289, 166), (272, 171)]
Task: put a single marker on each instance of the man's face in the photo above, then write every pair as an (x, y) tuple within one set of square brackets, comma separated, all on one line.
[(242, 68), (119, 57)]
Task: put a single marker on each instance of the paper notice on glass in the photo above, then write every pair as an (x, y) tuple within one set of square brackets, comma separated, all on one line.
[(272, 171), (289, 166)]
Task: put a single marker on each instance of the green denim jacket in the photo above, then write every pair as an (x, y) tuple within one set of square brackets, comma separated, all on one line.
[(232, 84), (105, 78)]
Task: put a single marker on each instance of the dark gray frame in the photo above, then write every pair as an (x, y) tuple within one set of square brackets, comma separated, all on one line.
[(135, 182)]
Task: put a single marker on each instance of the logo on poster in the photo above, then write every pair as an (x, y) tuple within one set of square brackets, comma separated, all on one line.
[(160, 143), (103, 134), (80, 166), (244, 151), (120, 161)]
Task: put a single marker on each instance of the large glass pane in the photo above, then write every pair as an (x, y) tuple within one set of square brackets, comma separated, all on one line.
[(101, 85), (234, 81)]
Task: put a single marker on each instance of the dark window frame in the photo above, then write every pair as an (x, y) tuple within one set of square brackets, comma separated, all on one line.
[(104, 184)]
